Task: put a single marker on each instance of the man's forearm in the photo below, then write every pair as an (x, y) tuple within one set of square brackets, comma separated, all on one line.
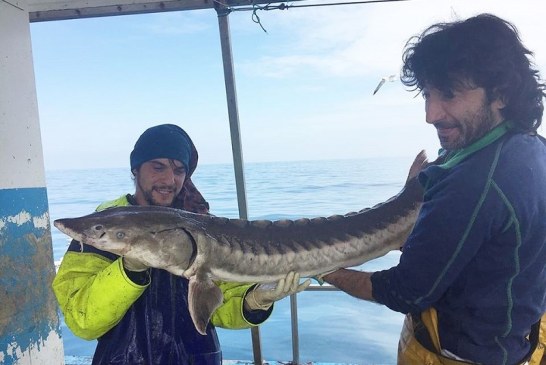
[(355, 283)]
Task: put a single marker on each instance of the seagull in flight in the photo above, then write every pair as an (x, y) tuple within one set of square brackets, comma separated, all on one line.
[(389, 78)]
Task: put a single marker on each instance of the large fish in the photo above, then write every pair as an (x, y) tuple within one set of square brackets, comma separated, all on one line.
[(205, 248)]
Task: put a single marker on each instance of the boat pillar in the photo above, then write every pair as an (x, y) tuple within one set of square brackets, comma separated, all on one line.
[(29, 321)]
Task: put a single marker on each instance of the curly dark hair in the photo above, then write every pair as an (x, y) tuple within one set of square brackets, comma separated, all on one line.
[(483, 51)]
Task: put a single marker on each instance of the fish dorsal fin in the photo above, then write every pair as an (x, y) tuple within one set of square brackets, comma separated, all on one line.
[(204, 298)]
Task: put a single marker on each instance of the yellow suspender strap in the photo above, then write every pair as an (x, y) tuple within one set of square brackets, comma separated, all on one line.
[(430, 320)]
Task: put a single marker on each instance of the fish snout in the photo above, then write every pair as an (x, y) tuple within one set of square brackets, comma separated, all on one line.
[(59, 223), (72, 228), (65, 226)]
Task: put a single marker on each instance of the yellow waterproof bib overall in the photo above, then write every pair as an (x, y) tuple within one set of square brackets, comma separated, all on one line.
[(411, 352)]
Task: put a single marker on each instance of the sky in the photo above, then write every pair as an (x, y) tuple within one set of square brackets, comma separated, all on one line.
[(304, 88)]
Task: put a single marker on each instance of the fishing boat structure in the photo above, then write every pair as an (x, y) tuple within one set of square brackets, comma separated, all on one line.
[(29, 321)]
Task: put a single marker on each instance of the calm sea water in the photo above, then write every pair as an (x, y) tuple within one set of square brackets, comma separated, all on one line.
[(333, 327)]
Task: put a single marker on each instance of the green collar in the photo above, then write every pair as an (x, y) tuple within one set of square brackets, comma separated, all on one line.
[(454, 157)]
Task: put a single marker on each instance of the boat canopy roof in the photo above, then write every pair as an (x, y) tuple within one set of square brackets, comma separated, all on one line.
[(47, 10)]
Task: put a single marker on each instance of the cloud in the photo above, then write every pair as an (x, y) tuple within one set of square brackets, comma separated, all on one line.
[(368, 39)]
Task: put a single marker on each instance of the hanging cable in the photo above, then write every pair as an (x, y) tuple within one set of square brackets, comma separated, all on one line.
[(256, 18)]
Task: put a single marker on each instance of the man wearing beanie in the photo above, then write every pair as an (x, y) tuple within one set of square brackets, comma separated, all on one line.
[(139, 315)]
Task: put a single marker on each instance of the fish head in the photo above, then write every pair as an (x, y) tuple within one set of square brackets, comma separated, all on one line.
[(156, 236), (95, 230)]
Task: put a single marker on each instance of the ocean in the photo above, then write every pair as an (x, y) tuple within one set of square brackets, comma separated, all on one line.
[(333, 326)]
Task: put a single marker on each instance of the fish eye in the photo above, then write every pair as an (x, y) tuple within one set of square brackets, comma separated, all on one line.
[(120, 235), (98, 227)]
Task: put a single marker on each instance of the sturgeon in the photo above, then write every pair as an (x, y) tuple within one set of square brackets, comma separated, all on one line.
[(206, 248)]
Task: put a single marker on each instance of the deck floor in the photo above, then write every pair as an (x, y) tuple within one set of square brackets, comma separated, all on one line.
[(86, 360)]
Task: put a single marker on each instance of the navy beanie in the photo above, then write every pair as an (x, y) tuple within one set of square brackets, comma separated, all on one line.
[(163, 141)]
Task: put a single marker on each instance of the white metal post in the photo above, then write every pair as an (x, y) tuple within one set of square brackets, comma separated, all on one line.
[(29, 321)]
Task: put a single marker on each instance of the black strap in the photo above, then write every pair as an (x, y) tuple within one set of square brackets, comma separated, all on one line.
[(533, 340), (421, 333), (423, 337)]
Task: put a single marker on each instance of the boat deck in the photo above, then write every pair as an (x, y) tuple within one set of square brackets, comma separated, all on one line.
[(86, 360)]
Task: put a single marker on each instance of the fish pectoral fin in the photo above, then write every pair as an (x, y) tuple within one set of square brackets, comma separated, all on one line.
[(204, 298)]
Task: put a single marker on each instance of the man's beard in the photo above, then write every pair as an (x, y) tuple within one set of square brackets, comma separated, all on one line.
[(151, 201), (473, 128), (148, 195)]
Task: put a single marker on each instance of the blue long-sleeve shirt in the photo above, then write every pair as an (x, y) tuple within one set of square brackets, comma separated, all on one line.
[(477, 253)]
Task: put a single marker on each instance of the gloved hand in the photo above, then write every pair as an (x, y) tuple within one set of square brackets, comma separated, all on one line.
[(133, 265), (263, 295)]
